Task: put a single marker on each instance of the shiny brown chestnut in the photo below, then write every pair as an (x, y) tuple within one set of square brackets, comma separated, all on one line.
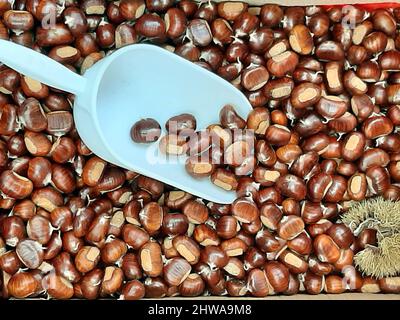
[(326, 249), (146, 131), (341, 234)]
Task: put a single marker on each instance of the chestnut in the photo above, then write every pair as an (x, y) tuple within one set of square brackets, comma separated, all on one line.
[(345, 260), (271, 15), (331, 107), (294, 262), (270, 215), (227, 227), (113, 251), (234, 247), (181, 124), (192, 286), (310, 124), (319, 24), (375, 42), (318, 186), (300, 39), (378, 179), (341, 234), (176, 271), (235, 268), (155, 287), (236, 153), (150, 26), (196, 211), (112, 280), (353, 146), (188, 51), (175, 22), (64, 266), (222, 31), (370, 285), (279, 88), (71, 243), (254, 77), (151, 217), (112, 179), (318, 267), (304, 164), (290, 227), (384, 21), (313, 283), (337, 189), (356, 54), (134, 236), (132, 290), (10, 262), (377, 126), (334, 77), (293, 16), (245, 24), (30, 252), (22, 285), (145, 131), (302, 244), (330, 51), (54, 246), (199, 32), (187, 248), (257, 283), (245, 210), (224, 179), (331, 210), (82, 221), (151, 186), (231, 10), (205, 235), (344, 124), (172, 144), (230, 119), (326, 249), (168, 249), (277, 275), (260, 40), (392, 193), (292, 187), (150, 259), (57, 287), (12, 230), (357, 186), (175, 224), (176, 199), (334, 284), (294, 285), (366, 237), (253, 258), (14, 185), (87, 258), (269, 194), (283, 63), (214, 257), (390, 284), (131, 267), (305, 95)]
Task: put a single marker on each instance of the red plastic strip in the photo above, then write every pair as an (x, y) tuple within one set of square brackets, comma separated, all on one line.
[(369, 6)]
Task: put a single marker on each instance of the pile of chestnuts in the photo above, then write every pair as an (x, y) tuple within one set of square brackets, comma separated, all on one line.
[(326, 99)]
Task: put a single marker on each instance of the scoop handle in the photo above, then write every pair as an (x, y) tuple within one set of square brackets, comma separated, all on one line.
[(40, 67)]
